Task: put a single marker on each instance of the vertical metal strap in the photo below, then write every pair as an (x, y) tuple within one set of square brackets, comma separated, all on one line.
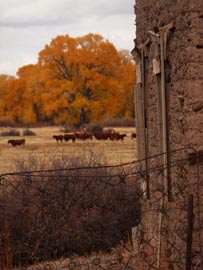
[(166, 149), (137, 117), (144, 102), (139, 55)]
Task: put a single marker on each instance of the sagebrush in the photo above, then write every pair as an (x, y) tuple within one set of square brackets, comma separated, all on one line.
[(73, 207)]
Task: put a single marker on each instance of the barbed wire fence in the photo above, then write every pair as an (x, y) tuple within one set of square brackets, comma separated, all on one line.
[(49, 216), (170, 231)]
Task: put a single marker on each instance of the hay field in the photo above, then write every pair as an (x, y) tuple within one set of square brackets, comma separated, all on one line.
[(43, 146)]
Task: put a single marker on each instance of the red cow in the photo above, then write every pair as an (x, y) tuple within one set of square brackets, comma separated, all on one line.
[(117, 136), (14, 143), (121, 136), (113, 136), (101, 136), (69, 136), (88, 136), (58, 138), (83, 136)]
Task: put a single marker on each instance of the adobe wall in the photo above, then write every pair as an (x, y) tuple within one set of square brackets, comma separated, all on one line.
[(184, 68), (169, 110)]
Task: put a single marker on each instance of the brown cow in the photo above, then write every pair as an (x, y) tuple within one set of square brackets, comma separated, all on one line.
[(88, 136), (14, 143), (114, 136), (101, 136), (117, 136), (83, 136), (133, 136), (58, 138), (120, 136), (69, 136)]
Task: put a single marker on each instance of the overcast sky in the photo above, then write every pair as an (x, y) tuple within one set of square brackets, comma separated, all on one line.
[(26, 26)]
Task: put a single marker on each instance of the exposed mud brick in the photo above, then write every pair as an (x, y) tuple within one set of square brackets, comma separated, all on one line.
[(197, 106), (184, 60), (173, 119)]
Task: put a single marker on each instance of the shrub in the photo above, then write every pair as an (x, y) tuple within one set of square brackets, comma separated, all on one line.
[(94, 128), (11, 132), (67, 129), (63, 212), (28, 132), (109, 131)]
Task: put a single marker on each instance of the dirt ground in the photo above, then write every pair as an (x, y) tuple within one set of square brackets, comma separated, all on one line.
[(43, 146)]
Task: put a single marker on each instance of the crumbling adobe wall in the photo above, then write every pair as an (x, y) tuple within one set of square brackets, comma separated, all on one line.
[(184, 68), (181, 76)]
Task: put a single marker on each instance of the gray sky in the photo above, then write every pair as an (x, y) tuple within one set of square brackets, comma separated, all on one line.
[(26, 26)]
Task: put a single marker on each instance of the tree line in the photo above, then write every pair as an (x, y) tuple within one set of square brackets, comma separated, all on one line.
[(76, 80)]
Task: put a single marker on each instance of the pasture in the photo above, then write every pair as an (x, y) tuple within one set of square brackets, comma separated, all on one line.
[(43, 147)]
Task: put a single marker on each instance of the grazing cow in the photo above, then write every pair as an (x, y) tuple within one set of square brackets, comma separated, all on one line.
[(58, 138), (88, 136), (114, 136), (120, 137), (79, 136), (83, 136), (69, 136), (101, 136), (14, 143), (117, 136), (133, 136)]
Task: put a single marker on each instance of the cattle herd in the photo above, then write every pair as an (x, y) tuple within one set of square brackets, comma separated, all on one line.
[(115, 136)]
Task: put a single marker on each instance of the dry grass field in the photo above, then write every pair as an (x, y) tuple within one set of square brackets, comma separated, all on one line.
[(43, 147)]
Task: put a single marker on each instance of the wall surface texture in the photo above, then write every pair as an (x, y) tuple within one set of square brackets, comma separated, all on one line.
[(169, 115), (183, 68)]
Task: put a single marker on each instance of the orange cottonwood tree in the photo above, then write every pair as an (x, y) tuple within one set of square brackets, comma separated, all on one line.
[(76, 80), (84, 73), (5, 80), (15, 100), (36, 78)]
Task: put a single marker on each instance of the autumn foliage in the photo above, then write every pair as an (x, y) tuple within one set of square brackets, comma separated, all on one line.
[(76, 80)]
